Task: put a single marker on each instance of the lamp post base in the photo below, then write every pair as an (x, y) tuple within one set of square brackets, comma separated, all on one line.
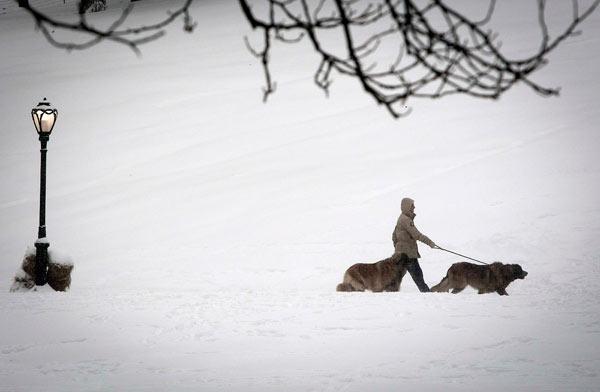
[(41, 261)]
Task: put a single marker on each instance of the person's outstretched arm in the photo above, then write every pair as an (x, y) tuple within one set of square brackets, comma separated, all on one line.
[(416, 234)]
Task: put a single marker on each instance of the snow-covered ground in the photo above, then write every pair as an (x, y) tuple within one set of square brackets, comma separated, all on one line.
[(209, 230)]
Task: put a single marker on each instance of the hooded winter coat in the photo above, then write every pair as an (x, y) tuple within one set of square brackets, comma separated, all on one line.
[(406, 235)]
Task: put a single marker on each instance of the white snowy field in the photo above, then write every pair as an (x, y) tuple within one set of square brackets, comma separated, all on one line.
[(209, 230)]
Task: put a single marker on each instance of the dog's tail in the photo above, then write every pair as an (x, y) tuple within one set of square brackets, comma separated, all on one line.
[(442, 286), (344, 287)]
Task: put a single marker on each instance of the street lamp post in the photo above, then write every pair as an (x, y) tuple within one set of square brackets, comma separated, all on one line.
[(44, 118)]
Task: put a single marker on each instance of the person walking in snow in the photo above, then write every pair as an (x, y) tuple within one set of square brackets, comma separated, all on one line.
[(405, 237)]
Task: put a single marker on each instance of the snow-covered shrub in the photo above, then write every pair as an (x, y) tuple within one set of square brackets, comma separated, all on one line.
[(58, 275), (22, 281), (29, 261)]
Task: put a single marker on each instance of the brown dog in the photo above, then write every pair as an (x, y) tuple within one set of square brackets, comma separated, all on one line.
[(384, 275), (485, 278)]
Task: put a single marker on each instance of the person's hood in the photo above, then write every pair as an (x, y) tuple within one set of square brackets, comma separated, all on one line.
[(405, 207)]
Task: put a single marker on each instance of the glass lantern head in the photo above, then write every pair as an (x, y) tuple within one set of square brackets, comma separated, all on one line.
[(44, 117)]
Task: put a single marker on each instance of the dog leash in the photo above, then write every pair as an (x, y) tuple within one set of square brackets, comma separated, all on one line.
[(458, 254)]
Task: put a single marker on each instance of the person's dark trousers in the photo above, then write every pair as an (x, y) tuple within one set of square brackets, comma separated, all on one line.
[(415, 271)]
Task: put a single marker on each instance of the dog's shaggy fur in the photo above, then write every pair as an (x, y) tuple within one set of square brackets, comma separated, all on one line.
[(485, 278), (384, 275)]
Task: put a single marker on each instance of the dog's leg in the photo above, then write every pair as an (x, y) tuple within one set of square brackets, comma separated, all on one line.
[(457, 290), (441, 287), (354, 279), (502, 291), (394, 284), (400, 277), (357, 285)]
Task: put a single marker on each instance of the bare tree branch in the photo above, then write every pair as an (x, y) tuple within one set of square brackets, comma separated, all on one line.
[(395, 49), (432, 59), (131, 37)]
